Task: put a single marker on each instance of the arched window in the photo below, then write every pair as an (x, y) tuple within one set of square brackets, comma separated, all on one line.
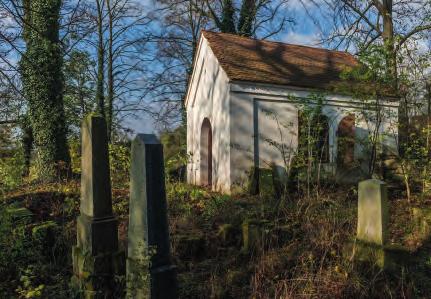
[(206, 153), (346, 141)]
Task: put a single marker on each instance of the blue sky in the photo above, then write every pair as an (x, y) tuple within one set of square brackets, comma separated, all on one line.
[(302, 32)]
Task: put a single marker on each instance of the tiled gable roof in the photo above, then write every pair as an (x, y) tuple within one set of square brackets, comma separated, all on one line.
[(247, 59)]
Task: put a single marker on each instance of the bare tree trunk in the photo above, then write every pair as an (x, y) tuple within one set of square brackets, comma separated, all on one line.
[(110, 112), (386, 10), (428, 128), (406, 177), (100, 97), (388, 38), (309, 153)]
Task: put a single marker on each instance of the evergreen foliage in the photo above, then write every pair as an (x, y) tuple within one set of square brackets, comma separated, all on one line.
[(27, 144), (42, 76), (247, 16), (228, 22)]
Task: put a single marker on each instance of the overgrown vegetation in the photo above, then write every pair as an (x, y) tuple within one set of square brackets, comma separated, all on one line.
[(294, 237), (303, 246), (41, 69), (36, 232)]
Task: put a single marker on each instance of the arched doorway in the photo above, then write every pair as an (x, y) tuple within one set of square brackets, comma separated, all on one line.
[(346, 142), (206, 156)]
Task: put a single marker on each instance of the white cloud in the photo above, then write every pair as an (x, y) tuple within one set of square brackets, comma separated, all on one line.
[(292, 37)]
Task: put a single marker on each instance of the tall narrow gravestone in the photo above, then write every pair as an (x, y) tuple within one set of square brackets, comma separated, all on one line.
[(150, 273), (96, 258), (373, 217), (373, 212)]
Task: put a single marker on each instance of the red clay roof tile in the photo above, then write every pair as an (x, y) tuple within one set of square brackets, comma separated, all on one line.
[(248, 59)]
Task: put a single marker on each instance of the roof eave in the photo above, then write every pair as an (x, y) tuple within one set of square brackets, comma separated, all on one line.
[(192, 76)]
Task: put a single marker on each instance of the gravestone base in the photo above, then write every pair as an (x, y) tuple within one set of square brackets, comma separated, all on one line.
[(94, 275), (389, 258), (96, 259), (370, 253), (159, 282), (97, 235)]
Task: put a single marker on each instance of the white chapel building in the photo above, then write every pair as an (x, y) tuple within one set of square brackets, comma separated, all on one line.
[(242, 89)]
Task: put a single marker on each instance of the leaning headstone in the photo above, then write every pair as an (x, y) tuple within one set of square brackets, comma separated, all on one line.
[(96, 258), (373, 217), (150, 273)]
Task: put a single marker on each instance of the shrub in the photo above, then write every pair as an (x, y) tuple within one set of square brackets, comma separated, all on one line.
[(11, 170), (75, 154), (119, 158), (214, 205), (16, 250), (34, 257)]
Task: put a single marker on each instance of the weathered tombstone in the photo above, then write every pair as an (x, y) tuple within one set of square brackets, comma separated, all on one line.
[(150, 273), (373, 216), (251, 235), (373, 212), (255, 234), (96, 258)]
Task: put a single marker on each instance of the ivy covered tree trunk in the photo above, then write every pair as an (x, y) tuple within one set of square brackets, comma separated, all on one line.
[(227, 20), (27, 144), (42, 76), (247, 16)]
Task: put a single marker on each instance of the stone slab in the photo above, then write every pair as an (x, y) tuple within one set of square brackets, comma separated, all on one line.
[(96, 259), (148, 223), (149, 269), (97, 236), (96, 198), (373, 214)]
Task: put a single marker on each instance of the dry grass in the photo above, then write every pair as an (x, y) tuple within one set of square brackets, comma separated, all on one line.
[(306, 250)]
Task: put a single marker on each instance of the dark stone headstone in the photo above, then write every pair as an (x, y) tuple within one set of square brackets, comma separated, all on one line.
[(150, 273), (96, 258)]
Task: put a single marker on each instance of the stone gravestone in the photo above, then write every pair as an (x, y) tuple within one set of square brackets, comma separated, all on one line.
[(373, 212), (373, 217), (150, 273), (96, 258)]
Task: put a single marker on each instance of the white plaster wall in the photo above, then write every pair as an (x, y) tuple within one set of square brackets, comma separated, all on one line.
[(243, 111), (277, 132), (208, 97)]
